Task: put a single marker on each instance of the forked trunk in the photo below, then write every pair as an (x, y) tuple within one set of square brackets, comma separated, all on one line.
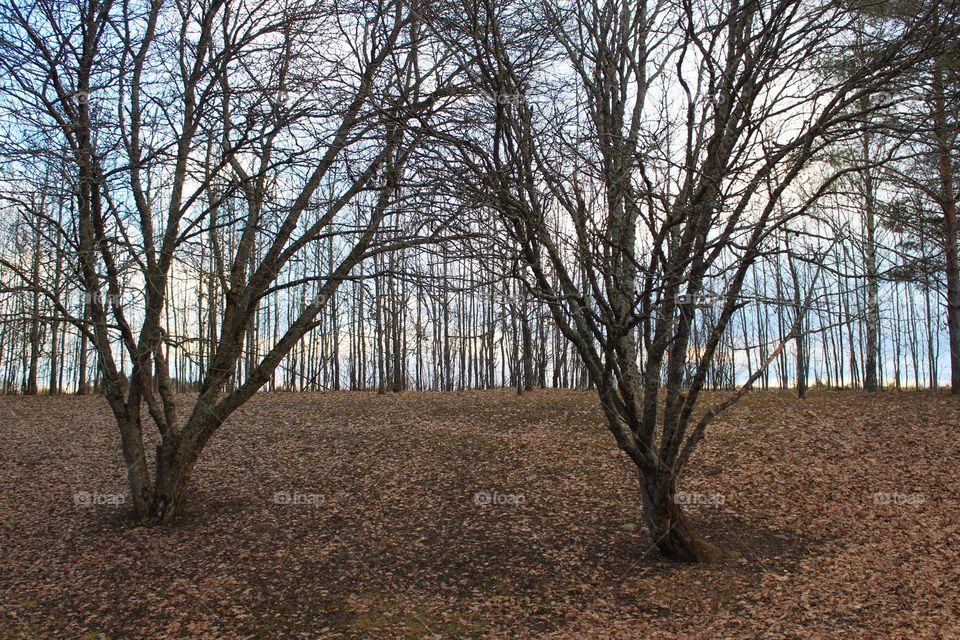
[(671, 531), (138, 475), (175, 464)]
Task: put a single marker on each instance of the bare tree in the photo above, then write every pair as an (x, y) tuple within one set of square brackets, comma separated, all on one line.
[(251, 127), (680, 126)]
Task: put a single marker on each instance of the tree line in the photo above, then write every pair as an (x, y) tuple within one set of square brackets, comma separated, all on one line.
[(444, 326)]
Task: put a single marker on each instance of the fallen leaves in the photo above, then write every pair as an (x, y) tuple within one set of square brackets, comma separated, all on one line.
[(394, 541)]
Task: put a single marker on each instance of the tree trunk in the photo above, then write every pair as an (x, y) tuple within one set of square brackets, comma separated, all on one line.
[(949, 207), (175, 462), (131, 441), (801, 338), (527, 338), (671, 531), (870, 382), (32, 386), (83, 387)]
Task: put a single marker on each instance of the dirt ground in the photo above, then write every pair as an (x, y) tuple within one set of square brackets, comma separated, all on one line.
[(480, 514)]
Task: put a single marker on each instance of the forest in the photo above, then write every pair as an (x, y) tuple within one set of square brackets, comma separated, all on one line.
[(506, 318)]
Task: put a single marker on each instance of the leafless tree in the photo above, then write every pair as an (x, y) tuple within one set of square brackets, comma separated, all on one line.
[(219, 120), (664, 163)]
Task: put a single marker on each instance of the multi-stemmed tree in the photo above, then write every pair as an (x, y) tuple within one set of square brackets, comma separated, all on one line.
[(263, 129), (659, 147)]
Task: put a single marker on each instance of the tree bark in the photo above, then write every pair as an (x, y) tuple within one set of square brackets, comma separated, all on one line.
[(175, 462), (948, 204), (527, 338), (671, 531), (870, 382)]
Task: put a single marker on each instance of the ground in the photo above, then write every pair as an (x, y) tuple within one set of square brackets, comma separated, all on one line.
[(480, 514)]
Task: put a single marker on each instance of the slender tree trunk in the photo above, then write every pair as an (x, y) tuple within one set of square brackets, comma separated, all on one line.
[(32, 386), (801, 338), (948, 203), (527, 338), (932, 381), (870, 383), (83, 387)]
